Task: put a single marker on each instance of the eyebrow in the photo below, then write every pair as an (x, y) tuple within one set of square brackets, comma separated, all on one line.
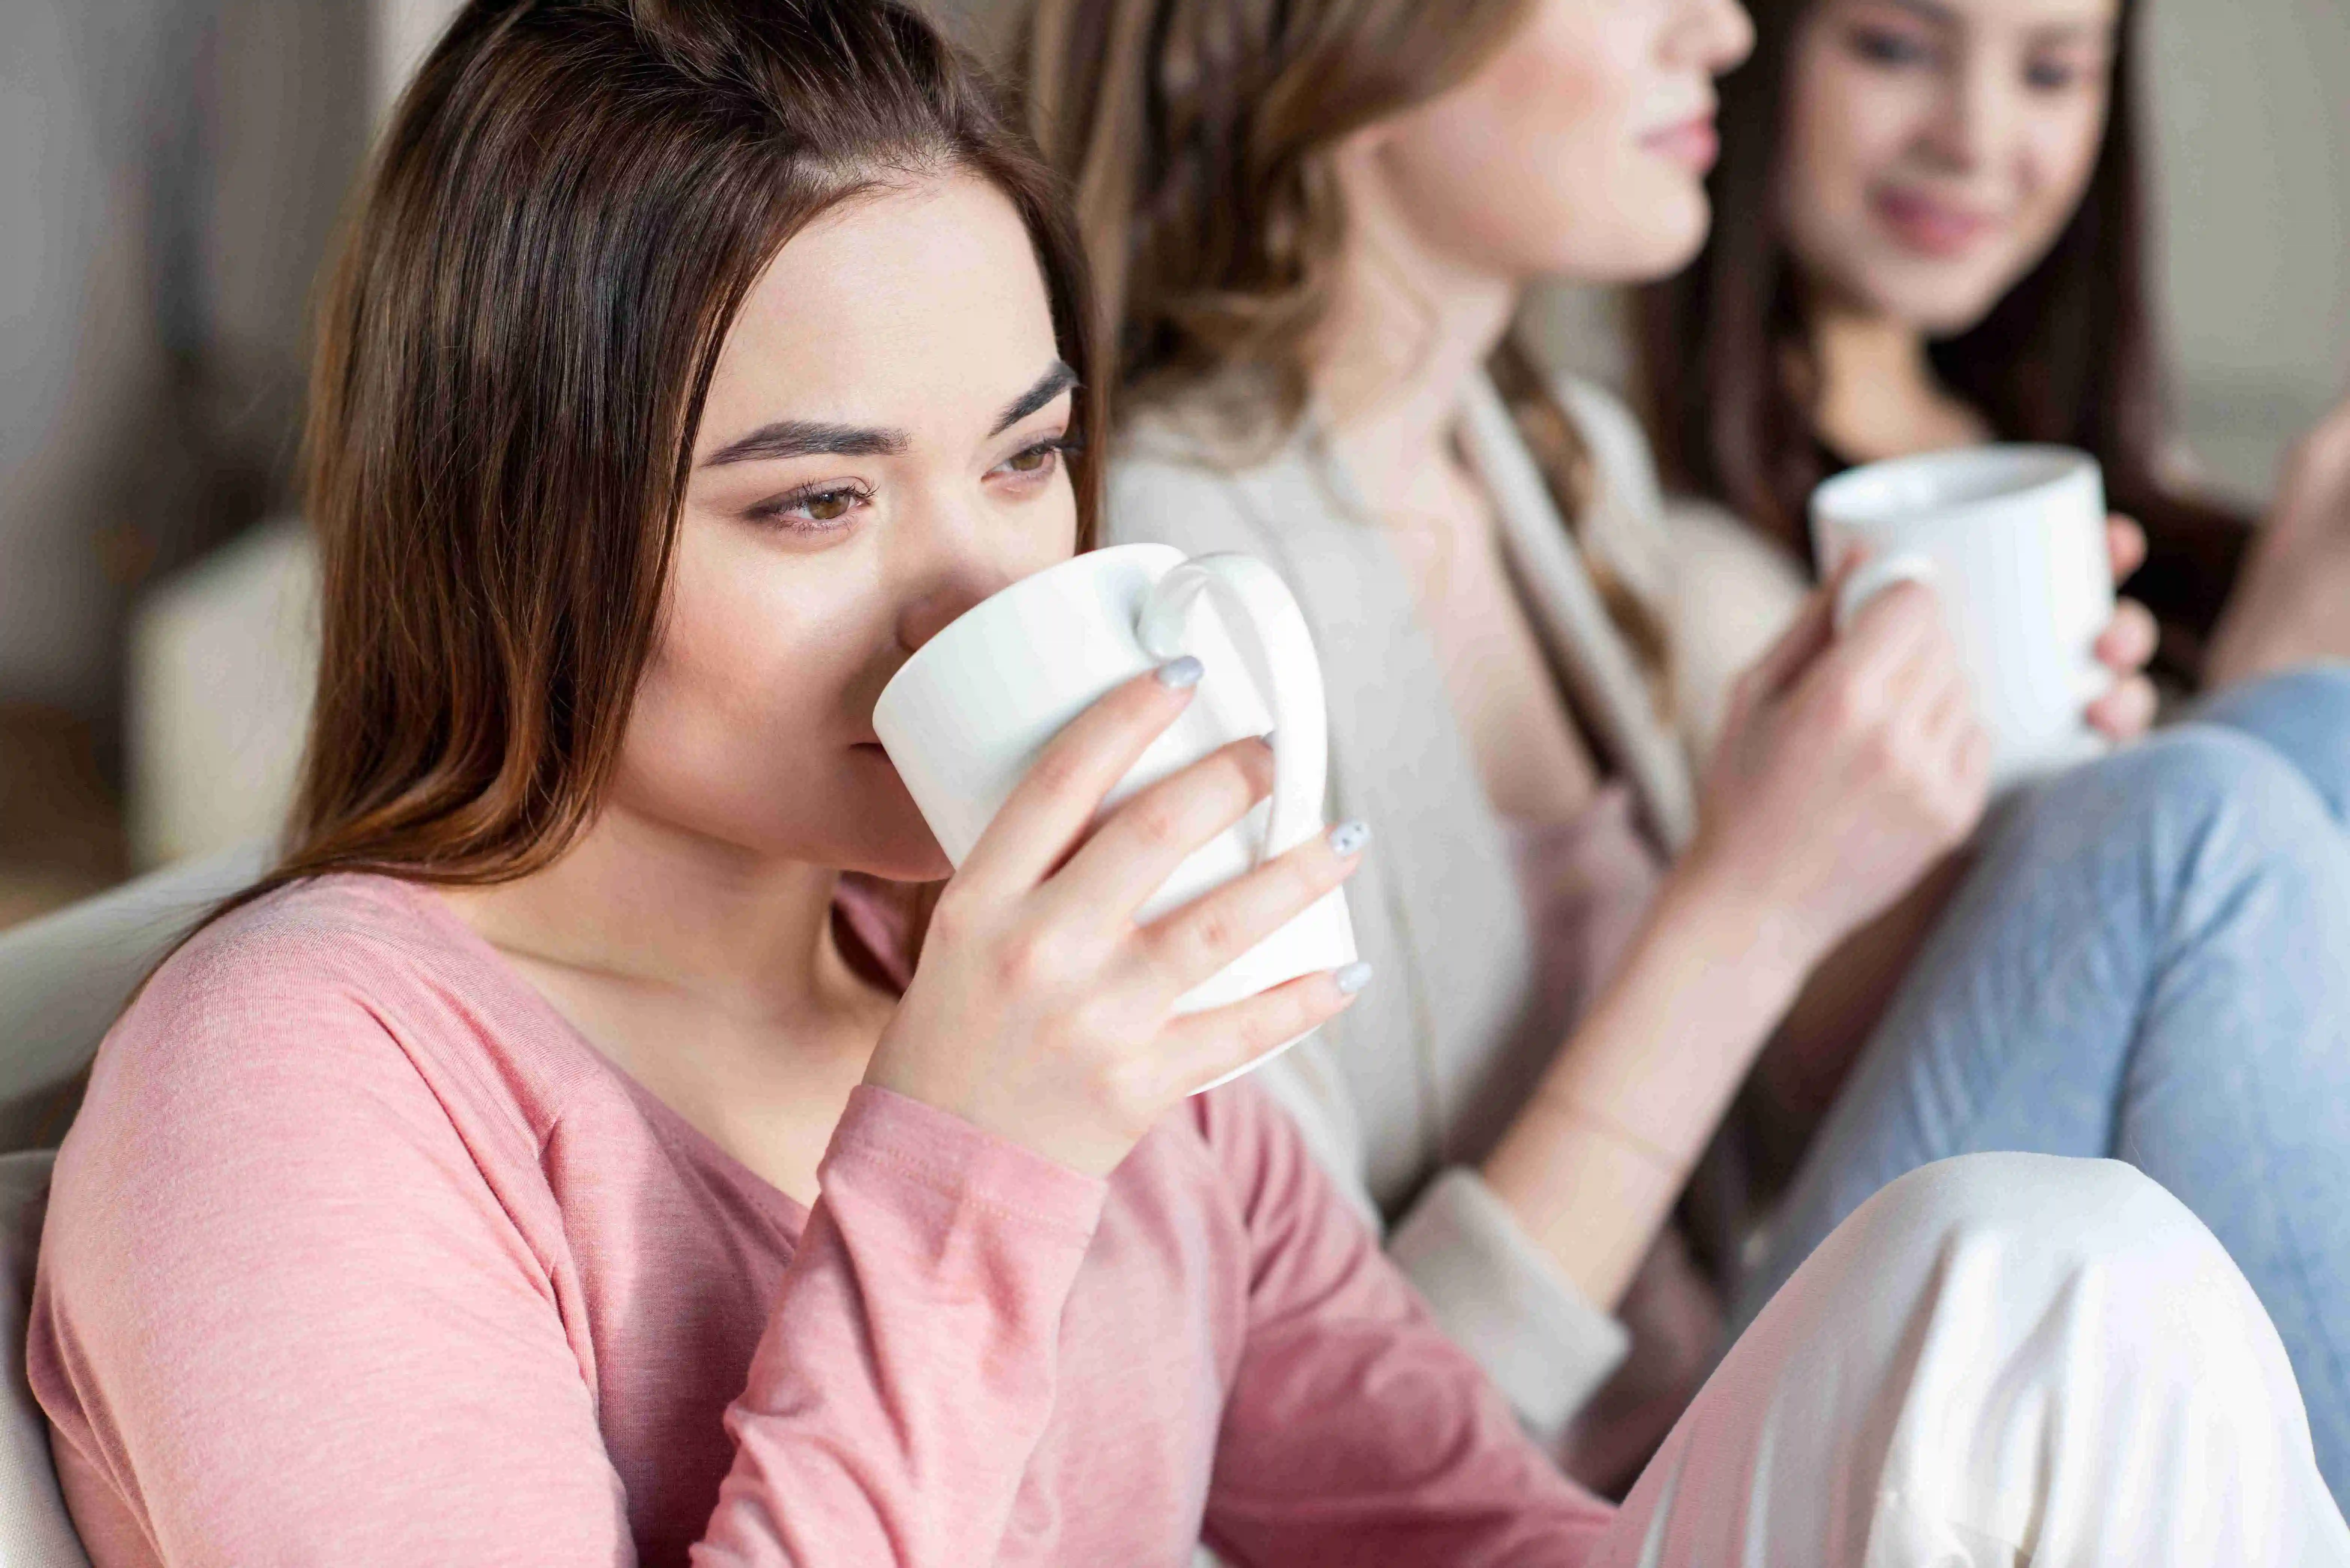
[(1056, 381), (808, 438), (786, 439), (1942, 15)]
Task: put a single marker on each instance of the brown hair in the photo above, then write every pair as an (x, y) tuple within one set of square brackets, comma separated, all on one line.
[(567, 211), (1197, 135), (2070, 354)]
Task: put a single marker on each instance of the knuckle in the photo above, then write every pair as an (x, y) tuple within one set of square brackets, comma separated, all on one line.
[(1212, 933), (1156, 821), (953, 916), (1057, 772), (1031, 957), (1848, 708)]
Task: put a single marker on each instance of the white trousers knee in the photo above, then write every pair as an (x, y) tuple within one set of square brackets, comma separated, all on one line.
[(1999, 1359)]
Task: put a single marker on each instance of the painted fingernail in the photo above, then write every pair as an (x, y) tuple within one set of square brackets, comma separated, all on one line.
[(1181, 674), (1352, 978), (1348, 837)]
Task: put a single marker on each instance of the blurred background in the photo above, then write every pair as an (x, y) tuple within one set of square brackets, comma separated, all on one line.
[(171, 172)]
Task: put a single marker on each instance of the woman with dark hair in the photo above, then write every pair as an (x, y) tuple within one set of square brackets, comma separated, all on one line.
[(1933, 230), (1314, 220)]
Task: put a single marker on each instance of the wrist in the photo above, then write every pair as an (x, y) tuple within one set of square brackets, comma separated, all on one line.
[(1742, 922)]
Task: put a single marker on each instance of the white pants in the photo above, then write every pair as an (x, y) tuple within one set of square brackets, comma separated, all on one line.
[(2000, 1359)]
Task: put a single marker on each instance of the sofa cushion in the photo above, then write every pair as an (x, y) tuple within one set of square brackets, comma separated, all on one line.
[(65, 977), (36, 1531)]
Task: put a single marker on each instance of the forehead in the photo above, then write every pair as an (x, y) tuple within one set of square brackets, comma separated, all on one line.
[(919, 305)]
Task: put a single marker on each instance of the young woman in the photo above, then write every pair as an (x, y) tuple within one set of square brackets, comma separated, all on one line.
[(567, 1156), (1933, 231), (1317, 220)]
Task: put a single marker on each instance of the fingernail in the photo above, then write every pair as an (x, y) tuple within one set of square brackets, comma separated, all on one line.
[(1349, 836), (1352, 978), (1181, 674)]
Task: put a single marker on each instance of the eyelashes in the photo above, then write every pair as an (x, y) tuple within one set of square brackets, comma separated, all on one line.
[(827, 505), (831, 506)]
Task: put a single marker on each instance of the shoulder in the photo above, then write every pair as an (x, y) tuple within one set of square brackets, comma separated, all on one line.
[(315, 971), (323, 1031)]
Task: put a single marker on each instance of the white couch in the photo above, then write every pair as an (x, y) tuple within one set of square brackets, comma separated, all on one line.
[(62, 981)]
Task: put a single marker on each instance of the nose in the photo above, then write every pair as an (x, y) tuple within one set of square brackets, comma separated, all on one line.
[(1712, 35), (1976, 116), (955, 589)]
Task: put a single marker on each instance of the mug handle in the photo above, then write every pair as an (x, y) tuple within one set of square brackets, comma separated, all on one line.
[(1257, 602)]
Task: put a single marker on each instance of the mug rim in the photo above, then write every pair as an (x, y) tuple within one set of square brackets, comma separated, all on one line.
[(1866, 495), (1010, 595)]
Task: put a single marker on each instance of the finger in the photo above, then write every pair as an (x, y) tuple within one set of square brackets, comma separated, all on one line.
[(2126, 543), (1128, 856), (2127, 711), (1188, 945), (1949, 715), (2128, 641), (1891, 633), (1205, 1046), (1052, 805), (1806, 638)]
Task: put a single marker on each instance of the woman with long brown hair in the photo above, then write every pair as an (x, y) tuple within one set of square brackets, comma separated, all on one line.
[(1933, 231), (1315, 220)]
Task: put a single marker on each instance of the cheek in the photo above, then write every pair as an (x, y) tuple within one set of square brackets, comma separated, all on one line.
[(1844, 130), (1537, 169), (2062, 156), (744, 718)]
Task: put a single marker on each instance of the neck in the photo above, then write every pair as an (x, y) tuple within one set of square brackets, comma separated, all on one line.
[(668, 914), (1407, 327), (1877, 395)]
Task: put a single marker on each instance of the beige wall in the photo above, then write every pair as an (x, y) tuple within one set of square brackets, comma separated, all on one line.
[(2253, 137)]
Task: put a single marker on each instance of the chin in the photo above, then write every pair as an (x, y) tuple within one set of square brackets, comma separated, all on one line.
[(1940, 299), (1637, 241)]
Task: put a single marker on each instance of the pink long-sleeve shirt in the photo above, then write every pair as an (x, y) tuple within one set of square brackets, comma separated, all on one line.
[(359, 1254)]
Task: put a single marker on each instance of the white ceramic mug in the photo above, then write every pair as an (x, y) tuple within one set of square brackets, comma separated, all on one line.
[(2011, 539), (968, 714)]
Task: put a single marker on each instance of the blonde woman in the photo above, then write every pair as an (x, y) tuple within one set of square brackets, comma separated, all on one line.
[(1315, 220)]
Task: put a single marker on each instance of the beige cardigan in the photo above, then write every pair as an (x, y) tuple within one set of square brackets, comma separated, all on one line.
[(1398, 1098)]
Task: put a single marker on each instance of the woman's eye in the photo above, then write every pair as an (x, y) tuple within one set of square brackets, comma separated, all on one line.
[(815, 509), (1879, 48), (2051, 75), (1035, 462)]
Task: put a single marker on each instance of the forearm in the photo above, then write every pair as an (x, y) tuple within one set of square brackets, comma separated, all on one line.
[(909, 1370), (1597, 1156)]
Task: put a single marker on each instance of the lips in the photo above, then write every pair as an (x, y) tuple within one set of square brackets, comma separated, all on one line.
[(1917, 222), (1694, 143)]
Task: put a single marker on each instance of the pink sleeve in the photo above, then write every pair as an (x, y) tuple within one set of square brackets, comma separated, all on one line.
[(908, 1372), (1356, 1432), (287, 1318)]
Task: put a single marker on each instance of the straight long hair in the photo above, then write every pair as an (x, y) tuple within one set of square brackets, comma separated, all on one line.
[(569, 206), (2070, 355), (1198, 136)]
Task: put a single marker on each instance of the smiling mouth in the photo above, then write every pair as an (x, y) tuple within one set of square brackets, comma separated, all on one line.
[(1932, 228)]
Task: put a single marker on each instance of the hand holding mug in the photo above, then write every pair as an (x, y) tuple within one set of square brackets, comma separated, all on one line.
[(1849, 764), (2124, 710), (1042, 1011)]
